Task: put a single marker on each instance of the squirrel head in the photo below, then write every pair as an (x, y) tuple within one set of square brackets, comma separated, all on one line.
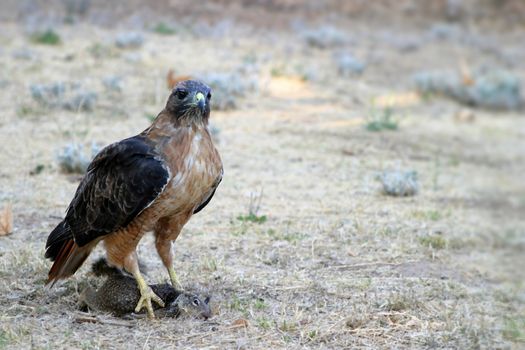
[(192, 304)]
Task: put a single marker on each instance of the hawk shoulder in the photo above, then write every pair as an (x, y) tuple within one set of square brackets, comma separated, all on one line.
[(122, 181)]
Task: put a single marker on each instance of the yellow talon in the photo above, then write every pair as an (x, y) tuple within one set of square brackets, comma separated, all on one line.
[(146, 296)]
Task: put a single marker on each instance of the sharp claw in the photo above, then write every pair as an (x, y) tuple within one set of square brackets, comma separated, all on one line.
[(145, 301), (158, 300)]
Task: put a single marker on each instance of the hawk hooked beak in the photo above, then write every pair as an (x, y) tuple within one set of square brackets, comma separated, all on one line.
[(200, 101)]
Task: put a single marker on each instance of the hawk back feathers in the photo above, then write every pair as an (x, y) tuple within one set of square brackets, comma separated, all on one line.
[(122, 181)]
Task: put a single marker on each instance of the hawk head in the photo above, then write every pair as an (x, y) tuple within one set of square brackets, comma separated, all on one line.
[(190, 100)]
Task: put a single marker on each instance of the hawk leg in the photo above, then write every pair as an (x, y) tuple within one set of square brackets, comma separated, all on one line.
[(166, 232), (174, 279), (166, 255), (146, 293)]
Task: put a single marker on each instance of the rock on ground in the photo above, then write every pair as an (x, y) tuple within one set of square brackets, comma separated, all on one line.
[(399, 183)]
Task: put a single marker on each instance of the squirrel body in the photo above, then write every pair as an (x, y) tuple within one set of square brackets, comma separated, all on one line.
[(119, 295)]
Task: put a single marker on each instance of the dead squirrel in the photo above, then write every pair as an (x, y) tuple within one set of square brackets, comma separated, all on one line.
[(119, 294)]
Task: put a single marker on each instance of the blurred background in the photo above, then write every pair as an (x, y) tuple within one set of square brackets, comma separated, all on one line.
[(374, 154)]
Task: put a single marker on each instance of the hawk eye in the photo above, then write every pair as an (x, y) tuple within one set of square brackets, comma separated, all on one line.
[(208, 96), (181, 94)]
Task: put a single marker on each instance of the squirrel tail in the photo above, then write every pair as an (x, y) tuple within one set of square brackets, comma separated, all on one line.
[(102, 268)]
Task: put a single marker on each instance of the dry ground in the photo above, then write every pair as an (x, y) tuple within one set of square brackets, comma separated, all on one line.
[(337, 264)]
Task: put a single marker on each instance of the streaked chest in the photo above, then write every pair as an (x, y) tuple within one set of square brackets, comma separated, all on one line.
[(195, 166)]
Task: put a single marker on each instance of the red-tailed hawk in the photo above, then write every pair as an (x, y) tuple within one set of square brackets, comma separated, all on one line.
[(154, 181)]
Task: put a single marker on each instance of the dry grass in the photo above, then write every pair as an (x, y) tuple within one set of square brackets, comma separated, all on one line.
[(334, 263)]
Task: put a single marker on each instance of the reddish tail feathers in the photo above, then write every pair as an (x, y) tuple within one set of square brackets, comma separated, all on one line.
[(70, 257)]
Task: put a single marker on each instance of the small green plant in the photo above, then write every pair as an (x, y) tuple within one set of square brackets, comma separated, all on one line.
[(312, 334), (235, 304), (277, 71), (380, 121), (37, 169), (454, 161), (253, 210), (209, 264), (241, 305), (252, 218), (239, 229), (515, 329), (291, 237), (164, 29), (25, 110), (264, 323), (259, 304), (433, 215), (303, 72), (4, 339), (48, 37), (434, 241)]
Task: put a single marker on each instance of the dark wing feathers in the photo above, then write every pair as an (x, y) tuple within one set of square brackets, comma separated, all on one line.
[(56, 239), (123, 179)]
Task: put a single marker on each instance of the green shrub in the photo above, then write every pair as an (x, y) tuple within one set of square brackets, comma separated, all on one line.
[(381, 121), (48, 37), (164, 29)]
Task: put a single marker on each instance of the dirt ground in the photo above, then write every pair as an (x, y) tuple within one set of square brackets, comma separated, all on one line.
[(333, 262)]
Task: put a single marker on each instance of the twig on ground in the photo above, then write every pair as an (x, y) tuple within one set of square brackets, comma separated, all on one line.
[(378, 263), (84, 318), (202, 335)]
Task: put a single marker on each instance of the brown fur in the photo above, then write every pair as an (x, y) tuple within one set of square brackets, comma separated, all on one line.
[(119, 295)]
